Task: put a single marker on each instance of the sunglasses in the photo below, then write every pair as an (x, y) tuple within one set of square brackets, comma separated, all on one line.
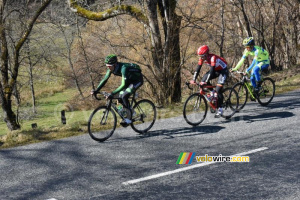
[(202, 56)]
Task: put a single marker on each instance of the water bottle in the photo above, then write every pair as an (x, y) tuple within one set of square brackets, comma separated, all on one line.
[(209, 97), (120, 109)]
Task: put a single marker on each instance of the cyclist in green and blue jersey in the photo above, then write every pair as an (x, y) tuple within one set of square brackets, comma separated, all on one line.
[(260, 61)]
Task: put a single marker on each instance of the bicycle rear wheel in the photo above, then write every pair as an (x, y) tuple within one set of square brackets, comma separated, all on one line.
[(242, 91), (102, 124), (230, 102), (143, 116), (267, 92), (195, 109)]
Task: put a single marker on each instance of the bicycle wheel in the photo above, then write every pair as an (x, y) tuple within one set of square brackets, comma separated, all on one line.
[(195, 109), (230, 102), (267, 92), (102, 124), (144, 116), (242, 91)]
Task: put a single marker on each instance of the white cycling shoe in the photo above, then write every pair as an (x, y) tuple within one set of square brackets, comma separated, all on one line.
[(219, 113)]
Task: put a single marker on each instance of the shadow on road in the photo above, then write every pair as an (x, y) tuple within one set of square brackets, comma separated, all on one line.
[(263, 117), (173, 133)]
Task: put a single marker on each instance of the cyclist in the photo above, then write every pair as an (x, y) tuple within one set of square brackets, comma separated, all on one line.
[(218, 68), (260, 61), (132, 79)]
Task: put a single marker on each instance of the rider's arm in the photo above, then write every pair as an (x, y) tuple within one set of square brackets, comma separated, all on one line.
[(254, 61), (211, 71), (122, 86), (197, 72), (252, 65), (104, 80), (240, 63)]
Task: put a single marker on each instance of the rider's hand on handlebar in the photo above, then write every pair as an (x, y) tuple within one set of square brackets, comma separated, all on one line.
[(192, 82), (203, 83), (245, 73), (92, 92)]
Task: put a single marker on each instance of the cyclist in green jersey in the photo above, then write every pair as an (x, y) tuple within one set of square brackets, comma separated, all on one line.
[(260, 61), (132, 79)]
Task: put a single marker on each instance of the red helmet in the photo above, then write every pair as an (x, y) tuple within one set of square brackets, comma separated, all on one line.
[(203, 50)]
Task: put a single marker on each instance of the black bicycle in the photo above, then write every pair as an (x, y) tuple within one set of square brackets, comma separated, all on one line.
[(103, 120)]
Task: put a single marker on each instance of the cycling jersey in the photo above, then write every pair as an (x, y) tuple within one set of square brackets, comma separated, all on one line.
[(260, 62), (215, 61), (259, 54), (130, 73)]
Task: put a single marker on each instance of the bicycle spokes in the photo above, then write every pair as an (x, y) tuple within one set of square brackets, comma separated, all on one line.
[(195, 109), (144, 115), (267, 92)]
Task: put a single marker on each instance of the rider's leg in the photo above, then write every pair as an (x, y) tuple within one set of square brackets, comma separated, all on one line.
[(257, 73), (253, 78), (206, 78), (125, 96), (221, 81), (220, 95)]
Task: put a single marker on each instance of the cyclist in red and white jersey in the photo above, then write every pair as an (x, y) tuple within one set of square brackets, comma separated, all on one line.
[(218, 69)]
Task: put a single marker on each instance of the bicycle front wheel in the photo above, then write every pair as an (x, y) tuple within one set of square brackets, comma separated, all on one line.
[(242, 91), (230, 102), (143, 116), (102, 124), (195, 109), (267, 92)]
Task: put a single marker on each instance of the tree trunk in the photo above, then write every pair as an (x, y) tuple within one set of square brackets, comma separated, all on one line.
[(9, 76), (30, 71), (9, 116), (175, 68)]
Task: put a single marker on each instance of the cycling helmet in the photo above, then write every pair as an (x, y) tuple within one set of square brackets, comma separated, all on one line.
[(111, 59), (249, 41), (203, 50)]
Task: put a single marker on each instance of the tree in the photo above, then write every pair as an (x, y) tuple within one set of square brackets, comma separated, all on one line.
[(9, 61), (165, 49)]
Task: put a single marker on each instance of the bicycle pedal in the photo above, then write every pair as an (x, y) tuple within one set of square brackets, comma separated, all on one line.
[(124, 124)]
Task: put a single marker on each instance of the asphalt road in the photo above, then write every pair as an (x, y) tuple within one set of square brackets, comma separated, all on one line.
[(80, 168)]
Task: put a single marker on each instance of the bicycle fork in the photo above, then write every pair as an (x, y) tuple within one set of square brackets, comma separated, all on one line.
[(104, 117)]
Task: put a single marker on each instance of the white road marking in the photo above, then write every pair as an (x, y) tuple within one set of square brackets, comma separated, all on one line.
[(188, 168)]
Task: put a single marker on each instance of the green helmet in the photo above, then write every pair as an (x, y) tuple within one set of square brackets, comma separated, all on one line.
[(111, 59), (249, 41)]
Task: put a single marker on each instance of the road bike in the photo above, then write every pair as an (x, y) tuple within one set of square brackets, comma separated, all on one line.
[(264, 95), (196, 105), (103, 120)]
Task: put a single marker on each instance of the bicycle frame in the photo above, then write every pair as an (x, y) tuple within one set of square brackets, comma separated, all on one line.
[(203, 92), (110, 104), (245, 82), (249, 88)]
